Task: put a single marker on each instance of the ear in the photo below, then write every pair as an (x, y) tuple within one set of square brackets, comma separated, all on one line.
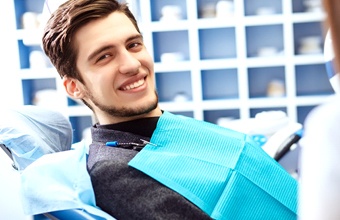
[(73, 87)]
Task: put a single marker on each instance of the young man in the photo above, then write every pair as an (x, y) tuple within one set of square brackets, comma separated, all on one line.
[(146, 163)]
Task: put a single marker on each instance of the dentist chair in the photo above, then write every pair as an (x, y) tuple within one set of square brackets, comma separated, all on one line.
[(35, 139), (26, 134)]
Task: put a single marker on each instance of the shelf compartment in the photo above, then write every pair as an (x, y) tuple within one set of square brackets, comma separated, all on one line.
[(264, 40), (264, 7), (31, 87), (308, 38), (267, 82), (217, 116), (21, 7), (215, 9), (173, 9), (299, 6), (219, 84), (173, 44), (174, 86), (312, 80), (80, 126), (184, 113), (218, 43), (32, 56)]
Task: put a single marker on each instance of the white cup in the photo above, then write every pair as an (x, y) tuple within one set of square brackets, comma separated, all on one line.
[(171, 12), (30, 20), (37, 59), (224, 8)]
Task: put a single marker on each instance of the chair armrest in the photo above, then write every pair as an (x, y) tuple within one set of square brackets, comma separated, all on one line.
[(7, 151), (9, 154)]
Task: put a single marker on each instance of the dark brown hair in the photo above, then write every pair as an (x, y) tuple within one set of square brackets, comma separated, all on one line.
[(66, 21), (332, 8)]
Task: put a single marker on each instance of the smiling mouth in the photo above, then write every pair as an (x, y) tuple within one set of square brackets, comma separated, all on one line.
[(134, 85)]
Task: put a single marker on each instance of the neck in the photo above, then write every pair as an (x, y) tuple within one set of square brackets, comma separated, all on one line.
[(108, 119)]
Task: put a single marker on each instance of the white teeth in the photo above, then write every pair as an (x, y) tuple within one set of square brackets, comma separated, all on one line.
[(134, 85)]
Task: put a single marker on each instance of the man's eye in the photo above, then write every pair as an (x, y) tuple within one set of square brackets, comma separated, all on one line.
[(103, 57), (133, 45)]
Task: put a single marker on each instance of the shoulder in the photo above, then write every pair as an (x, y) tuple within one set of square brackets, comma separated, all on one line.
[(321, 128), (325, 117)]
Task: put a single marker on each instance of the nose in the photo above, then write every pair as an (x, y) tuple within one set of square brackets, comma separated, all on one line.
[(129, 63)]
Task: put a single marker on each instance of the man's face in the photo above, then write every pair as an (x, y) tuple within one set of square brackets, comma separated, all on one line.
[(117, 70)]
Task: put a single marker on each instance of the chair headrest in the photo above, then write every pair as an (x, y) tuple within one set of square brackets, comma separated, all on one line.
[(31, 131)]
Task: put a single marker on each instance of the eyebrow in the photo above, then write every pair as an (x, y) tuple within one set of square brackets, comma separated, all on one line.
[(101, 49)]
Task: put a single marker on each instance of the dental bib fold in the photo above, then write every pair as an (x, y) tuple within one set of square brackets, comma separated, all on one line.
[(221, 171)]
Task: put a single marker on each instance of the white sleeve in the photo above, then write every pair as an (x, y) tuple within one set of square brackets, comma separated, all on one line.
[(320, 164)]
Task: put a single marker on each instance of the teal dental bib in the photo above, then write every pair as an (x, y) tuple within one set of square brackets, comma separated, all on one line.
[(221, 171)]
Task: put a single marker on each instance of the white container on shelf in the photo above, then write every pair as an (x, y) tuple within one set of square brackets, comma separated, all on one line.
[(38, 60), (30, 20), (267, 51), (313, 5), (276, 88), (171, 13), (208, 10), (224, 8), (265, 11), (310, 45), (172, 57)]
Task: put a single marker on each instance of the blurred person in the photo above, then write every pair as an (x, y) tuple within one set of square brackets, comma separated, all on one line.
[(319, 195)]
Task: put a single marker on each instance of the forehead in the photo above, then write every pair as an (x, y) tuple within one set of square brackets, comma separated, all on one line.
[(114, 28)]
